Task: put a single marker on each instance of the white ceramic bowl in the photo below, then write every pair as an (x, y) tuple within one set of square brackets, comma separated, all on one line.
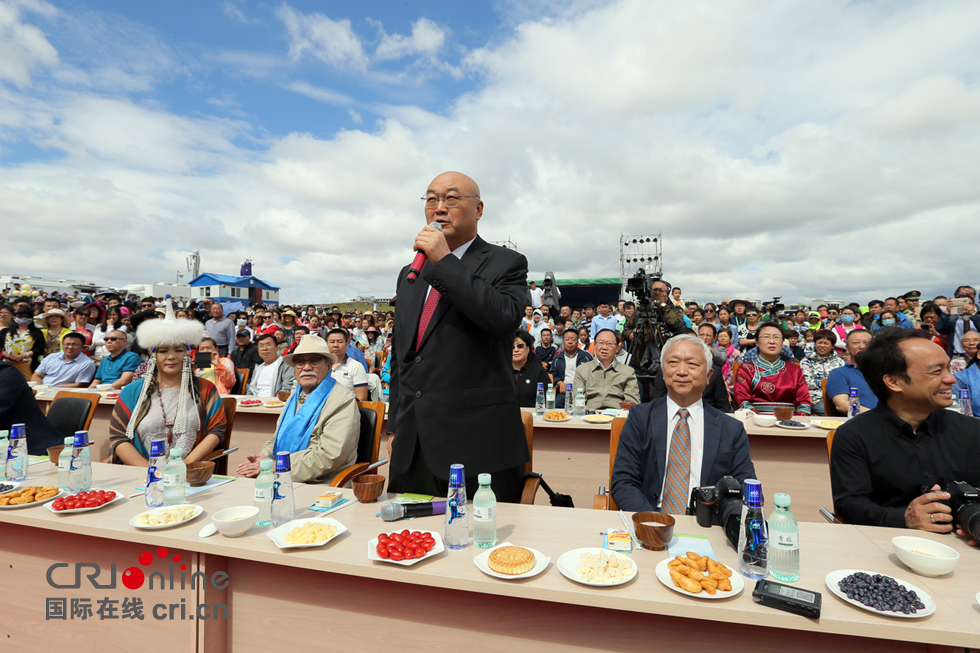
[(940, 560), (233, 522), (104, 387), (764, 420)]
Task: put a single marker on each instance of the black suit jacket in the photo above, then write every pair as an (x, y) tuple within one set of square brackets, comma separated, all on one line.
[(641, 458), (715, 394), (455, 394), (18, 406)]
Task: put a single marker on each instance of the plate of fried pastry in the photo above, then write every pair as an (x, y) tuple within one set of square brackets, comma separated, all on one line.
[(699, 576)]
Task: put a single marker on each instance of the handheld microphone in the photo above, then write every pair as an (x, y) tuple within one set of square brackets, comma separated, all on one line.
[(420, 259), (396, 511)]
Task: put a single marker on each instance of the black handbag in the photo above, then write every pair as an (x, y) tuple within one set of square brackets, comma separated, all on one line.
[(558, 500)]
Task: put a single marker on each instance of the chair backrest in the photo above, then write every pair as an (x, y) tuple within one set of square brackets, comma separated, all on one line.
[(369, 438), (72, 411), (614, 432), (828, 406), (735, 367), (830, 442), (231, 405), (241, 374), (528, 418)]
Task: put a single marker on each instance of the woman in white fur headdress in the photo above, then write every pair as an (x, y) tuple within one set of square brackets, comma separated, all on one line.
[(169, 401)]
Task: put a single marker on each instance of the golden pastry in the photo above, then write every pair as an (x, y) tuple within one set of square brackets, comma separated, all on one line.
[(511, 560)]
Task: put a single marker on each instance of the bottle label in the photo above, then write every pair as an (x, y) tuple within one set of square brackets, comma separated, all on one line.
[(785, 541), (174, 479), (484, 513), (64, 463), (263, 494), (152, 475)]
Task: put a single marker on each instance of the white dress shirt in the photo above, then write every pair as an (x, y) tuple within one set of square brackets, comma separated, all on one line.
[(695, 422)]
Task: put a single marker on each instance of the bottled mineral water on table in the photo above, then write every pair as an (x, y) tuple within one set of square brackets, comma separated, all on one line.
[(80, 472), (15, 468), (539, 401), (753, 538), (484, 514), (549, 398), (457, 520), (64, 464), (175, 479), (784, 541), (154, 473), (283, 506), (965, 406), (579, 403), (854, 403), (569, 398), (264, 492)]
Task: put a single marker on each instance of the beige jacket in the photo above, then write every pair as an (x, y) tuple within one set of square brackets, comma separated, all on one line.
[(333, 444)]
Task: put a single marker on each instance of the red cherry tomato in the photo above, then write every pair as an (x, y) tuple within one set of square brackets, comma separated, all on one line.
[(395, 555), (428, 544), (398, 537), (420, 552), (416, 534), (383, 539), (93, 503), (382, 551), (409, 554), (405, 533)]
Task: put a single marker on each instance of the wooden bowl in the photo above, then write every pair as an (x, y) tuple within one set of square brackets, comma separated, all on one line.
[(199, 473), (368, 487), (54, 452), (654, 537)]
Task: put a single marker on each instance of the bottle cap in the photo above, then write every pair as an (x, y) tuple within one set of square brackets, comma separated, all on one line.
[(854, 392), (158, 447), (781, 499), (81, 438), (282, 462), (265, 464), (176, 452), (484, 479), (18, 431), (752, 492), (69, 442), (540, 387), (457, 476)]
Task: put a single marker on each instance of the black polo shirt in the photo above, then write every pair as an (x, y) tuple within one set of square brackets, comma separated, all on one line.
[(879, 465)]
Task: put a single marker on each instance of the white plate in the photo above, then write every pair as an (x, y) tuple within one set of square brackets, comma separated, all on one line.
[(32, 503), (820, 424), (15, 484), (783, 425), (259, 403), (598, 419), (482, 562), (278, 535), (437, 549), (835, 577), (663, 575), (194, 515), (50, 505), (569, 561), (548, 419)]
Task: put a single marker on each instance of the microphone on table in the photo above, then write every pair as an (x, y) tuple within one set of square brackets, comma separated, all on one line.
[(396, 511), (420, 259)]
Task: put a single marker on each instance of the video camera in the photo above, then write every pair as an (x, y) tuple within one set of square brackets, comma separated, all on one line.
[(650, 332), (964, 502), (774, 307), (720, 505)]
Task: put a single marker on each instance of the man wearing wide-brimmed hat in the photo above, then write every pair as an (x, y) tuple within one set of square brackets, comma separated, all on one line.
[(320, 423)]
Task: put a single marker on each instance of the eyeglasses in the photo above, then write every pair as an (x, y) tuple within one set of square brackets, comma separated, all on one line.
[(113, 339), (751, 314), (312, 361), (605, 344), (451, 200), (770, 338), (520, 345)]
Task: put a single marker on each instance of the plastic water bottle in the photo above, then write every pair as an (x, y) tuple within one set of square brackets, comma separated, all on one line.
[(64, 464), (16, 466), (539, 401), (80, 472), (965, 407), (569, 398), (263, 492), (175, 479), (580, 402), (154, 473), (457, 520), (4, 446), (753, 538), (549, 398), (282, 491), (784, 533), (854, 403), (484, 514)]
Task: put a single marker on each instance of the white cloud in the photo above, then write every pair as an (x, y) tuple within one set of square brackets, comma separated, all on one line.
[(23, 47), (320, 37), (427, 39), (320, 94)]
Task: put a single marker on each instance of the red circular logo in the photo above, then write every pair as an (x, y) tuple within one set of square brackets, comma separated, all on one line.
[(133, 578)]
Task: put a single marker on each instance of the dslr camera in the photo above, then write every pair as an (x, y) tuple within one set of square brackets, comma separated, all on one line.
[(720, 505), (964, 501)]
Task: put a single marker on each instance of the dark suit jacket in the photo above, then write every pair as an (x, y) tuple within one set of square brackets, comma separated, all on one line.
[(18, 406), (641, 458), (455, 395), (946, 325), (715, 394)]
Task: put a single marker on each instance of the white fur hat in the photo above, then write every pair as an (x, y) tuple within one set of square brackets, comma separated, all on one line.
[(169, 331)]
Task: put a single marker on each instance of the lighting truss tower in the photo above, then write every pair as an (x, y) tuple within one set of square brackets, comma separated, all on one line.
[(506, 244), (639, 251)]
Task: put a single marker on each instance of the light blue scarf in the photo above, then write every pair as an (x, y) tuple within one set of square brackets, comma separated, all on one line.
[(296, 426)]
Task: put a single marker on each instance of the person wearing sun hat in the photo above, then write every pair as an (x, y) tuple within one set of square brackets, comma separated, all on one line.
[(54, 329), (320, 423), (169, 401)]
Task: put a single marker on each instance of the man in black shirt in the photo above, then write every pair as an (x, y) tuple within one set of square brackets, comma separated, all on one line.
[(546, 352), (882, 459)]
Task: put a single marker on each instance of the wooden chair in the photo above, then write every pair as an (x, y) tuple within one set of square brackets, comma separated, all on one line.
[(828, 406), (242, 375), (221, 464), (72, 411), (830, 516), (604, 500), (735, 367), (531, 485), (368, 442)]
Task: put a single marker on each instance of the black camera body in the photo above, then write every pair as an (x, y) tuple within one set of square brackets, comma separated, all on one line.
[(720, 505), (964, 502)]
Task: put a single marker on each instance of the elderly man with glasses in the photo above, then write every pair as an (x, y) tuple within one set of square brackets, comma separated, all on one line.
[(118, 367), (320, 423), (606, 382)]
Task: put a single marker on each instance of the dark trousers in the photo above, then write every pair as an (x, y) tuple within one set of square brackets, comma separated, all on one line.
[(419, 479), (223, 350)]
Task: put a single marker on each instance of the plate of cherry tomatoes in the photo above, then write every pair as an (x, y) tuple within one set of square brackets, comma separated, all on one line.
[(83, 501), (405, 547)]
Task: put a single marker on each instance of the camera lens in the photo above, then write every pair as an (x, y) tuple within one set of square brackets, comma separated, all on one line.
[(968, 516)]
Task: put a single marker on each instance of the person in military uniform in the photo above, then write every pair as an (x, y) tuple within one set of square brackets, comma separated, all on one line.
[(912, 307)]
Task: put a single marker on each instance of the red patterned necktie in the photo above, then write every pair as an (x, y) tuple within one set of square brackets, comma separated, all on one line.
[(427, 312), (678, 467)]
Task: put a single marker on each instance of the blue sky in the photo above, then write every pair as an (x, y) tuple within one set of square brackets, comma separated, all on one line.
[(798, 149)]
